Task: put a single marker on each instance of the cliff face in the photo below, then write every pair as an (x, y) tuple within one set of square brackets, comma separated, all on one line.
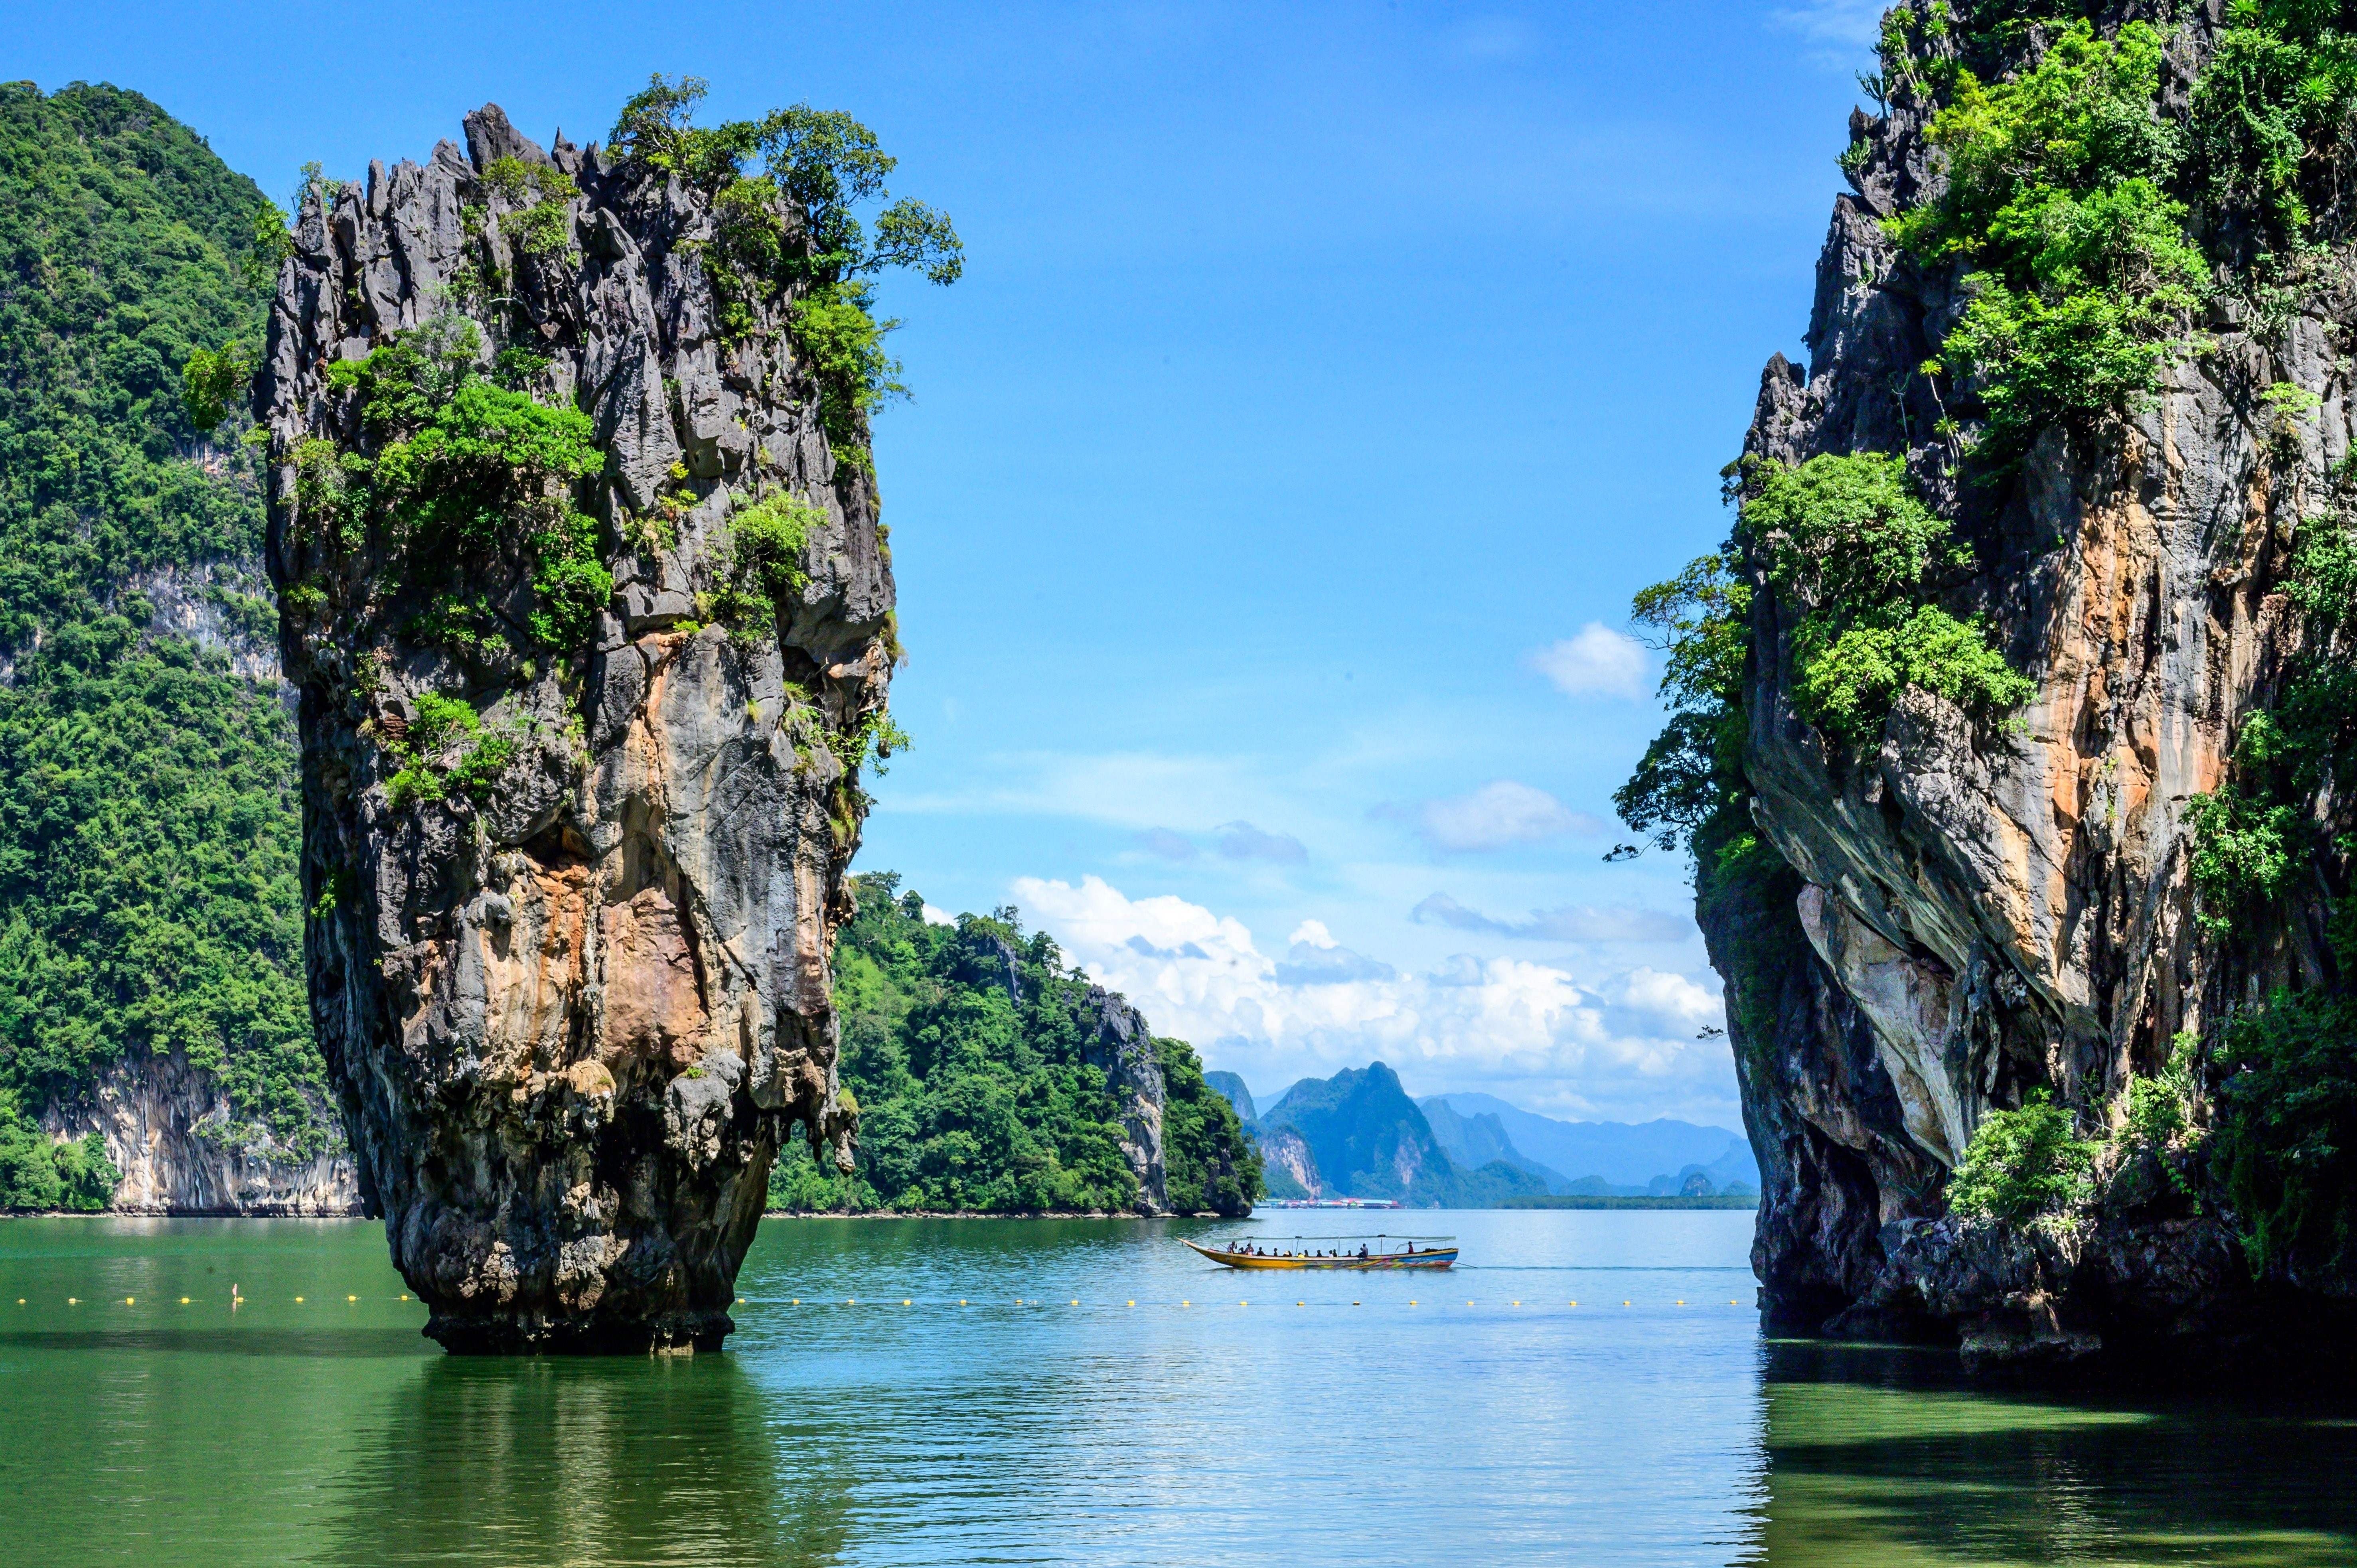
[(569, 959), (1123, 1050), (180, 1148), (1970, 911)]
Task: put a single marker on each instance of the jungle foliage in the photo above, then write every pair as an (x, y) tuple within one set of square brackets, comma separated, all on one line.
[(148, 896), (121, 236), (965, 1049)]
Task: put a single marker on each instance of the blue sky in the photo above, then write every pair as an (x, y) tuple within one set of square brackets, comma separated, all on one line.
[(1323, 381)]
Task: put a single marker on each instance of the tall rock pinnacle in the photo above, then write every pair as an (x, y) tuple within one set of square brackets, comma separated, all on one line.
[(584, 594)]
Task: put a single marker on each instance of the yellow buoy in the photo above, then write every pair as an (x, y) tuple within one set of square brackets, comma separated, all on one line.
[(126, 1301), (74, 1301), (352, 1298), (961, 1301), (298, 1298), (1185, 1303), (905, 1302), (853, 1301), (1076, 1301), (1133, 1303), (183, 1301), (1411, 1301), (1301, 1304), (798, 1301)]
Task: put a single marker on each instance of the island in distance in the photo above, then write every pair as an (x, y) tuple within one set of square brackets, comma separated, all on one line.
[(1358, 1134)]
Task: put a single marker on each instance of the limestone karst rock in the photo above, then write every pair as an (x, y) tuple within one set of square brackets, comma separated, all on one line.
[(1965, 913), (575, 858)]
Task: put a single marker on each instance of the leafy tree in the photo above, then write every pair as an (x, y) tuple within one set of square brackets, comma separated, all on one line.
[(2021, 1163), (1846, 538), (2286, 1145)]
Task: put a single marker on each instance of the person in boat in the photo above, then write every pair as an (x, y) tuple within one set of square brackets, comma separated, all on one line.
[(1363, 1248)]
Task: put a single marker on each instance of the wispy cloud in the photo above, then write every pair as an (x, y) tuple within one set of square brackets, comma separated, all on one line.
[(1571, 923), (1165, 844), (1241, 840), (1839, 30), (1595, 661), (1498, 815)]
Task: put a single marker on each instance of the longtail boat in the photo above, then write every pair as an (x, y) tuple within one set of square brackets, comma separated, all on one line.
[(1230, 1257)]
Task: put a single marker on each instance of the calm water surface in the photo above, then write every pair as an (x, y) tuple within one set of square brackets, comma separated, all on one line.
[(982, 1391)]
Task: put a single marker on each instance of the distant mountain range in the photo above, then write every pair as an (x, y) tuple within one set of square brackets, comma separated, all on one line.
[(1358, 1134)]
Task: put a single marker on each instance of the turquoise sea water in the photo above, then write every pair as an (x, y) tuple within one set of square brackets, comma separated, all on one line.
[(929, 1392)]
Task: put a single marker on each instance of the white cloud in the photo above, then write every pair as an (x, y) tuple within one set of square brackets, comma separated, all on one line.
[(1571, 923), (935, 917), (1496, 816), (1595, 661), (1620, 1048), (1311, 933)]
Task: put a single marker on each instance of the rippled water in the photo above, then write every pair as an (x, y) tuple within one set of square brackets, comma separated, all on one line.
[(1026, 1391)]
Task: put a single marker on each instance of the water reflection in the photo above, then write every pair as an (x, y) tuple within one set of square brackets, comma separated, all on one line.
[(1092, 1392), (1887, 1458), (610, 1460)]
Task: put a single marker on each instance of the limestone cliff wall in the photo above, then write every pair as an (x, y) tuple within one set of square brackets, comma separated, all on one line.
[(182, 1149), (1974, 911), (571, 1021)]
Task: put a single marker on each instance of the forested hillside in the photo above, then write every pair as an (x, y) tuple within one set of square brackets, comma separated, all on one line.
[(983, 1073), (148, 901)]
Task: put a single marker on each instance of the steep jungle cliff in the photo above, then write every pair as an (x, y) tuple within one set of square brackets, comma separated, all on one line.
[(155, 1052), (2013, 717), (582, 589), (993, 1078)]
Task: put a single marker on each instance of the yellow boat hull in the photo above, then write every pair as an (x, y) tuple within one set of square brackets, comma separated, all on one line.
[(1438, 1258)]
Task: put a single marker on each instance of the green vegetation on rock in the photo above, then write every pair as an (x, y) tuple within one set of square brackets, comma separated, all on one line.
[(968, 1051), (821, 165), (120, 239), (1846, 538), (2083, 277), (2021, 1163), (463, 472)]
